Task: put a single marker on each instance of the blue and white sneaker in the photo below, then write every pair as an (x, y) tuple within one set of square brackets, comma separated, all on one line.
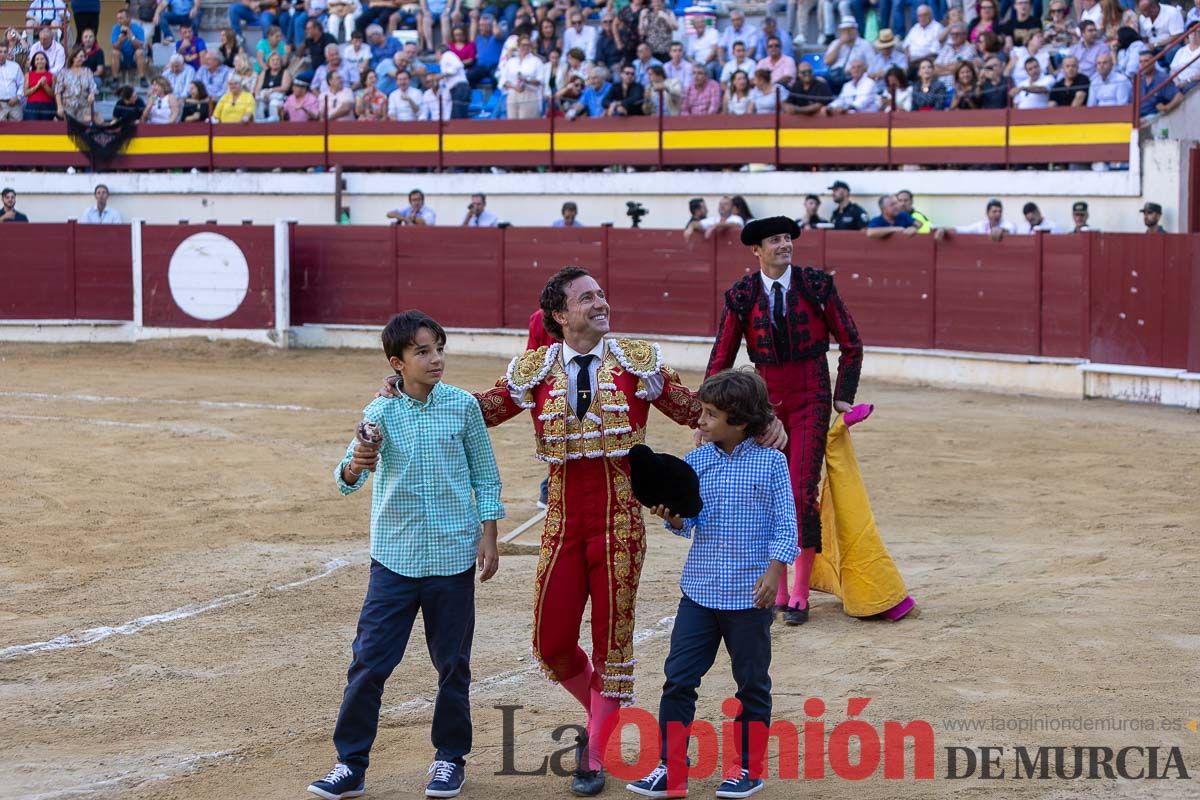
[(447, 781), (655, 785), (341, 782), (740, 787)]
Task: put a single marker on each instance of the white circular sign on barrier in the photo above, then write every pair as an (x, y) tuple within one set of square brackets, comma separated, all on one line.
[(208, 276)]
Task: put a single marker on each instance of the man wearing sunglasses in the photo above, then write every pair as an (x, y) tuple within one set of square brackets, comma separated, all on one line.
[(1061, 31)]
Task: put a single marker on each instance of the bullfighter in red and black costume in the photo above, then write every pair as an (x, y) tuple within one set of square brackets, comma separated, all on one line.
[(786, 315), (590, 398)]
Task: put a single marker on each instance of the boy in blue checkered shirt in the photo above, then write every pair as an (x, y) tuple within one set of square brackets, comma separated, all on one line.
[(436, 486), (741, 542)]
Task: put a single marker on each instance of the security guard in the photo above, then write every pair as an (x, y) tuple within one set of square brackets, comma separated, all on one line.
[(846, 216)]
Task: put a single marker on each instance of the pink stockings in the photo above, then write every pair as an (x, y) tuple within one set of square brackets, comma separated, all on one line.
[(600, 710), (798, 596)]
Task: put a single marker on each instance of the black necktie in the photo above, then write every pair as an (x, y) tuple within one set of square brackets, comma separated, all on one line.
[(779, 319), (583, 385)]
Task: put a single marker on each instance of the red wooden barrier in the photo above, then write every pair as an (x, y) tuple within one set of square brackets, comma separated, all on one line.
[(457, 279), (987, 295), (658, 282), (1114, 298), (532, 255), (1127, 300), (342, 275), (66, 271), (103, 279), (887, 284)]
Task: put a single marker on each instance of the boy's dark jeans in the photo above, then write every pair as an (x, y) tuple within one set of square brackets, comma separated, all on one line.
[(447, 604), (697, 634)]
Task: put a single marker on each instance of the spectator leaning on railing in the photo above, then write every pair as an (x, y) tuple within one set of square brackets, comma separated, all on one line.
[(1158, 95), (905, 198), (891, 220), (416, 213), (993, 225), (1034, 92), (1036, 222)]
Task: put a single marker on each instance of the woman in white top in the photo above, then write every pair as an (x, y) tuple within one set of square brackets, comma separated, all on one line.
[(737, 96), (337, 100), (897, 86), (164, 105), (1015, 68), (521, 80), (763, 95)]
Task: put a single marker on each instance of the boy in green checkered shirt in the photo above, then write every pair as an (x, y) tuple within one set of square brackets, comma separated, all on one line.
[(436, 486)]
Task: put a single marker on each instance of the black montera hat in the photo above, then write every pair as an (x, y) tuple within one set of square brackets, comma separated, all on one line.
[(758, 229), (662, 479)]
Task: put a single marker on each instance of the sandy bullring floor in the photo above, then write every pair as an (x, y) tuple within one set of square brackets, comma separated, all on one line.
[(179, 583)]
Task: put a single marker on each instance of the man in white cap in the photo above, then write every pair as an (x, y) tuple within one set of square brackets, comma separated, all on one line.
[(849, 46)]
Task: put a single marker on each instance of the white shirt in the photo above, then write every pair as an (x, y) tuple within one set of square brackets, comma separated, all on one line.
[(110, 216), (1020, 55), (653, 383), (1168, 25), (857, 96), (517, 68), (702, 49), (733, 219), (1024, 100), (1185, 54), (55, 54), (769, 286), (1095, 14), (748, 36), (12, 81), (426, 213), (765, 102), (485, 220), (985, 227), (429, 105), (584, 39), (747, 66), (1045, 225), (399, 109), (453, 70), (923, 41)]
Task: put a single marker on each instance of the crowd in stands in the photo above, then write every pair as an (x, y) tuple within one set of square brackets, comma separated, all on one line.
[(339, 59)]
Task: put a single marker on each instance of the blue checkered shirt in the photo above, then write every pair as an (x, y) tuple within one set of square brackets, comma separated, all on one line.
[(424, 520), (749, 519)]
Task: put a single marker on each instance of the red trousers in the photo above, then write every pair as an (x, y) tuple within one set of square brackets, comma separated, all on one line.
[(803, 401), (592, 547)]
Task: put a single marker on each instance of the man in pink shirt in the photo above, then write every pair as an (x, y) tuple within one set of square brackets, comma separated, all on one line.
[(703, 96), (301, 105), (783, 68)]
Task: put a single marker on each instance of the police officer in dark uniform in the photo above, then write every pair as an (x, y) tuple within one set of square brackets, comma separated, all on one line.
[(846, 216)]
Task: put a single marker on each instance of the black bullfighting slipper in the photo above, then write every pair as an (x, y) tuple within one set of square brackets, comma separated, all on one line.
[(795, 616)]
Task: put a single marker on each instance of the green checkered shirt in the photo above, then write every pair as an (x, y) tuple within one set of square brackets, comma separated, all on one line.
[(424, 520)]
